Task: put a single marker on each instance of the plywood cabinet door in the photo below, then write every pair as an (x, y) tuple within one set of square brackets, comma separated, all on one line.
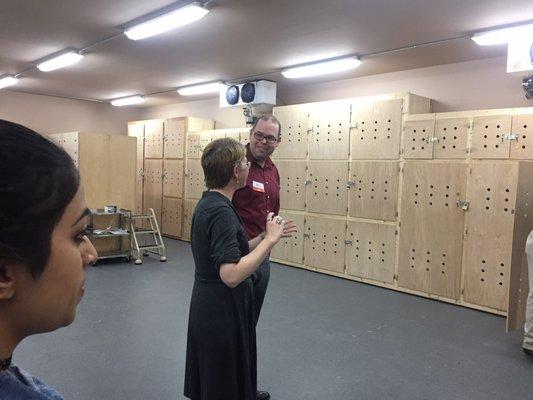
[(293, 175), (325, 243), (452, 138), (174, 142), (489, 240), (522, 130), (291, 249), (418, 138), (172, 217), (330, 135), (431, 231), (490, 136), (153, 139), (327, 191), (294, 122), (173, 178), (194, 180), (153, 187)]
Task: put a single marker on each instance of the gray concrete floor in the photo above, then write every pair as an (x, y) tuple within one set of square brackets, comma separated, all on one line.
[(319, 338)]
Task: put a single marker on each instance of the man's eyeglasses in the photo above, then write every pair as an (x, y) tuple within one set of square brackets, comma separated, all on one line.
[(260, 136)]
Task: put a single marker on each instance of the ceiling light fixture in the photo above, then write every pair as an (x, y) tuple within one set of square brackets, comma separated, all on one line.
[(166, 22), (322, 68), (62, 60), (202, 88), (503, 36), (128, 101), (7, 80)]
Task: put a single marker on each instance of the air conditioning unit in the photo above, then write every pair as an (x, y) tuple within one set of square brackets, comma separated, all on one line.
[(248, 94)]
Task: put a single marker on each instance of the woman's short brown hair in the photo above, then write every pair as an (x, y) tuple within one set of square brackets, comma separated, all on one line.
[(218, 160)]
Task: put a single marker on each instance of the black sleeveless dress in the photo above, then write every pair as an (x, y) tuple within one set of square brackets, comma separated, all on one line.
[(221, 359)]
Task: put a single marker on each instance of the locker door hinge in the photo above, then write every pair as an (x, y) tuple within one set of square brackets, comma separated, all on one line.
[(510, 136), (306, 235), (463, 291), (395, 277), (310, 130), (463, 204)]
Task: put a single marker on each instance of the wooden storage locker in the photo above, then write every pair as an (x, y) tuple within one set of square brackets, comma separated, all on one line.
[(431, 231), (330, 130), (324, 243), (295, 128), (293, 175), (291, 249), (327, 189), (106, 164)]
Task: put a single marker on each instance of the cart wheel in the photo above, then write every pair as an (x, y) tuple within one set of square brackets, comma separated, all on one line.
[(138, 261), (163, 259)]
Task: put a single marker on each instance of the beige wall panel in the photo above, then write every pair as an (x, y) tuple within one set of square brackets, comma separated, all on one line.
[(522, 148), (418, 138), (172, 217), (153, 187), (57, 138), (193, 145), (194, 180), (432, 228), (489, 239), (71, 145), (136, 130), (217, 135), (376, 135), (199, 124), (452, 134), (153, 139), (234, 135), (327, 192), (324, 243), (330, 135), (292, 184), (291, 249), (94, 168), (294, 122), (488, 139), (371, 251), (174, 142), (173, 178), (188, 210), (374, 189), (206, 137), (122, 173)]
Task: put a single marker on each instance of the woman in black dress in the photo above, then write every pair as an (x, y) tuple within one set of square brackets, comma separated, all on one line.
[(221, 347)]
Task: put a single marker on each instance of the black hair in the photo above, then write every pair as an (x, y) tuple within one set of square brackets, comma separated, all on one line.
[(38, 180)]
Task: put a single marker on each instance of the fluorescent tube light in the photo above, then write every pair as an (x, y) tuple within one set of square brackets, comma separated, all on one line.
[(322, 68), (202, 88), (63, 60), (7, 80), (166, 22), (128, 101), (503, 36)]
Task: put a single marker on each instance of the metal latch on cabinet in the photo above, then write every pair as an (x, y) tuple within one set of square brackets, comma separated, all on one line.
[(307, 182), (348, 242), (463, 204), (350, 184), (354, 125), (432, 139), (509, 136)]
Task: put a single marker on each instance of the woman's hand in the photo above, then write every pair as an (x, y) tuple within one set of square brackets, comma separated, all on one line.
[(274, 228), (289, 228)]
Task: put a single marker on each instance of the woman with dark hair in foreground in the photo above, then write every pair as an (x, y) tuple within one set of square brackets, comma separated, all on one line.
[(43, 249)]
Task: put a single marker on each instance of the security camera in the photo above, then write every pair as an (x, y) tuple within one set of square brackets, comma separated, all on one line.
[(527, 84)]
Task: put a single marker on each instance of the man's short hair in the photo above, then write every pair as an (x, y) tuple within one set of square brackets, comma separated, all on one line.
[(268, 118), (218, 160)]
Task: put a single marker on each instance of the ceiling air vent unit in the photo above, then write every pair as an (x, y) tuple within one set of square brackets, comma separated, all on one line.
[(248, 94)]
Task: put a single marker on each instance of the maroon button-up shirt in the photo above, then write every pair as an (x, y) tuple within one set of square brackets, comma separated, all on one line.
[(259, 197)]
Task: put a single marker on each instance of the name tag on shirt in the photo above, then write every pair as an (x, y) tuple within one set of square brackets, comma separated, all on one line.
[(258, 187)]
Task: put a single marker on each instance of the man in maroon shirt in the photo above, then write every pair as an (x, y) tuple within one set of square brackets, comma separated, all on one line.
[(261, 194), (259, 197)]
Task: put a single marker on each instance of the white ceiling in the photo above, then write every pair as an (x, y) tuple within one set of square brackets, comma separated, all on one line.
[(237, 39)]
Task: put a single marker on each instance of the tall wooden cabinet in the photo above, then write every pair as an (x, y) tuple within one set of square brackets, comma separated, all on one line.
[(160, 168), (106, 164)]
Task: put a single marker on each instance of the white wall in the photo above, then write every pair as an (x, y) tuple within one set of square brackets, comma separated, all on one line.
[(224, 117), (454, 87), (469, 85), (46, 114)]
